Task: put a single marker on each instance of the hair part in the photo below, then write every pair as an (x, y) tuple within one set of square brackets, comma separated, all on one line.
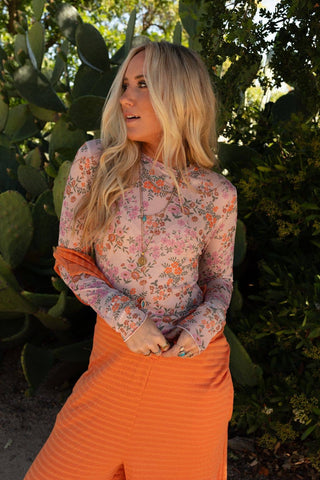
[(183, 100)]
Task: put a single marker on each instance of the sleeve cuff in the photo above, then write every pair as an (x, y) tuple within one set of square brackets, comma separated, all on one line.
[(129, 321), (203, 325)]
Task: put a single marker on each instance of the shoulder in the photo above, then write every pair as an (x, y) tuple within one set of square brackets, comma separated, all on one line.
[(212, 184), (84, 166), (87, 159), (89, 152)]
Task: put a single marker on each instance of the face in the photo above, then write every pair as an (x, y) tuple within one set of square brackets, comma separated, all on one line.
[(142, 123)]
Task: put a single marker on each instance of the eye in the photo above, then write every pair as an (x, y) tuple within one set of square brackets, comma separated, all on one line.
[(124, 87), (142, 84)]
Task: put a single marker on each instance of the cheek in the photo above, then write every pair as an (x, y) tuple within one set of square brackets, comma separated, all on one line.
[(154, 121)]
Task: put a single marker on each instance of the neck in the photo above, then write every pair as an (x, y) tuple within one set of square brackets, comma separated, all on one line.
[(150, 151)]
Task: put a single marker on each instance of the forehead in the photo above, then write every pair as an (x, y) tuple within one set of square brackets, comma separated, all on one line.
[(136, 66)]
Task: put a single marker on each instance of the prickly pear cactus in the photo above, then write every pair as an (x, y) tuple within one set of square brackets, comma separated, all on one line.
[(46, 225), (16, 227), (240, 247), (32, 180), (59, 186), (243, 369)]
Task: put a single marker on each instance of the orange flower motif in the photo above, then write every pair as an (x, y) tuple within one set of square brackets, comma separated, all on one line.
[(169, 282), (99, 248), (177, 271), (147, 185), (224, 238), (135, 275), (132, 291), (174, 264), (115, 307), (212, 220), (111, 237), (231, 206), (168, 270)]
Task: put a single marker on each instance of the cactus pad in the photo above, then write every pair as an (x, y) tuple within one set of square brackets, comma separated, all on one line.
[(32, 180), (59, 186), (36, 88), (240, 247), (36, 363), (46, 226), (243, 369), (16, 227), (86, 112), (92, 49), (20, 124)]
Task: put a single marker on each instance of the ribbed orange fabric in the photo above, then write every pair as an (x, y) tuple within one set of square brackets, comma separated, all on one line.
[(76, 263), (132, 417)]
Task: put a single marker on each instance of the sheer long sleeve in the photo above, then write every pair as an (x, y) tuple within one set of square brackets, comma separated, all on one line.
[(215, 272), (117, 309)]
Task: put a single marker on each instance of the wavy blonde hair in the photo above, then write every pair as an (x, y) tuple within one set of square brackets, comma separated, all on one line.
[(183, 100)]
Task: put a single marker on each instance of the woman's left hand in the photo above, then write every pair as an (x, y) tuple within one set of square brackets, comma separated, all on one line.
[(184, 344)]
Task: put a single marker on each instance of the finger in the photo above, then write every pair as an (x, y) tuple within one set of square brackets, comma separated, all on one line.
[(156, 350), (165, 347), (178, 350), (190, 354), (182, 352), (172, 352), (147, 353), (188, 343), (162, 344)]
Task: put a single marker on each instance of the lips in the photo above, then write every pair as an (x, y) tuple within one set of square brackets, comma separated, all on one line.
[(131, 116)]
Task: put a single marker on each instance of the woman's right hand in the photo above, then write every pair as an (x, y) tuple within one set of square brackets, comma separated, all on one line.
[(148, 339)]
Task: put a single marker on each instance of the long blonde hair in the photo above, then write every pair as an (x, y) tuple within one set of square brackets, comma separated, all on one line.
[(183, 100)]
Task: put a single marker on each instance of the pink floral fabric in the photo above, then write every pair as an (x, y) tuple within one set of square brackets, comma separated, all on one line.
[(189, 242)]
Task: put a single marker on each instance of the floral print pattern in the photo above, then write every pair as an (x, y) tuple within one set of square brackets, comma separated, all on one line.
[(189, 242)]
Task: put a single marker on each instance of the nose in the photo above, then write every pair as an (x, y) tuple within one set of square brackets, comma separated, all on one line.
[(126, 98)]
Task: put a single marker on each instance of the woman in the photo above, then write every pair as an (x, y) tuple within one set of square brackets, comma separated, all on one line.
[(156, 399)]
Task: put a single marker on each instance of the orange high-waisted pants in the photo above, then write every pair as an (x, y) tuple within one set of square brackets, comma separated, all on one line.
[(135, 417)]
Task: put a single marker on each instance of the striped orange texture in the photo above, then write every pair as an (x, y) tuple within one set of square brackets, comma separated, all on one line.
[(132, 417)]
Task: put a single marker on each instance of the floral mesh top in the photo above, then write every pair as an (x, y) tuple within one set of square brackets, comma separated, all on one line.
[(189, 242)]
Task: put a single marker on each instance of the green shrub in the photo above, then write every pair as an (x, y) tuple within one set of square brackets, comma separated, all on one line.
[(273, 158)]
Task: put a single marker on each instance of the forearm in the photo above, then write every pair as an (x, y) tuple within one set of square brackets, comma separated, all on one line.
[(209, 318), (118, 310)]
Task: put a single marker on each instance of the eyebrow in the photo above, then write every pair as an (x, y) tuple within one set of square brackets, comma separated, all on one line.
[(136, 78)]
